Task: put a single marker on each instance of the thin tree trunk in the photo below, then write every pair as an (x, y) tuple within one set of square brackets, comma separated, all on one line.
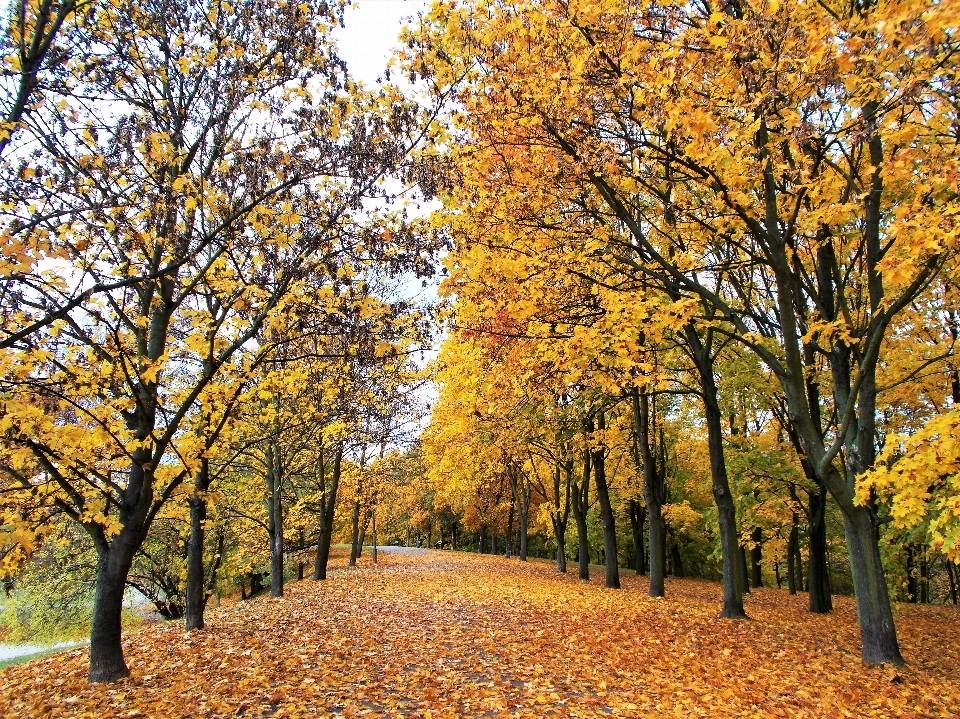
[(195, 595), (951, 577), (580, 505), (677, 560), (924, 577), (328, 503), (275, 519), (792, 549), (606, 513), (520, 486), (653, 494), (355, 533), (743, 576), (726, 510), (794, 580), (561, 515), (363, 532), (818, 574), (638, 516), (913, 591), (756, 558), (373, 519)]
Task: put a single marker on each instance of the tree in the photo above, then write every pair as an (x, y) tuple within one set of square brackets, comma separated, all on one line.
[(211, 164), (778, 176)]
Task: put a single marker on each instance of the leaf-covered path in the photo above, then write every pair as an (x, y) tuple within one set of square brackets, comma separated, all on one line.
[(450, 635)]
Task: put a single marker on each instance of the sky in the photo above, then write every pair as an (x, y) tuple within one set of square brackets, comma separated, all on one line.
[(366, 43), (371, 31)]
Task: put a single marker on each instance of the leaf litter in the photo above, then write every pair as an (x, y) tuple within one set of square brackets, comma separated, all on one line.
[(442, 635)]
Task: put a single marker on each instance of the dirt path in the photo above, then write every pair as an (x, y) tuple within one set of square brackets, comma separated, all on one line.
[(443, 634)]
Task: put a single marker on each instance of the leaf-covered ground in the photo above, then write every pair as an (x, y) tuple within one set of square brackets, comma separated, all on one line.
[(451, 635)]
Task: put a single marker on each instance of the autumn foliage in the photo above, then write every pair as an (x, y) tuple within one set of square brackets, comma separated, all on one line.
[(453, 635), (699, 318)]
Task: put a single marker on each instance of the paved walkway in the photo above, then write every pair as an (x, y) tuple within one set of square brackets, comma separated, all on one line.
[(12, 651)]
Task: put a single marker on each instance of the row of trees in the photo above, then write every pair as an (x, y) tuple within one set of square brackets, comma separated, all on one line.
[(700, 240), (202, 290)]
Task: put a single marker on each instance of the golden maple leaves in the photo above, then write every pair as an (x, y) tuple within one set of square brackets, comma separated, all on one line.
[(453, 635)]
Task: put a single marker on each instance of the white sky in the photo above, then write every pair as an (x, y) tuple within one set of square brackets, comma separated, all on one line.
[(371, 31), (366, 43)]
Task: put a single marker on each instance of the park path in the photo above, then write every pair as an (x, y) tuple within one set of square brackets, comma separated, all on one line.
[(12, 651), (441, 634)]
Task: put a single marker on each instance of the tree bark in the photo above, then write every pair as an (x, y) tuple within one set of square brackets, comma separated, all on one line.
[(743, 576), (520, 486), (328, 503), (606, 513), (818, 572), (654, 491), (561, 514), (952, 579), (580, 505), (756, 558), (638, 516), (196, 594), (792, 550), (106, 652), (677, 560), (355, 533), (363, 531), (275, 519), (700, 351), (508, 540), (877, 631)]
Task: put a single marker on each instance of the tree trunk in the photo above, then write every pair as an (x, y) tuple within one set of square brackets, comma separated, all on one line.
[(677, 560), (653, 493), (756, 558), (792, 549), (561, 515), (373, 519), (580, 505), (328, 504), (275, 520), (196, 596), (363, 532), (798, 561), (951, 577), (520, 486), (106, 652), (638, 516), (743, 576), (924, 577), (818, 572), (726, 510), (606, 514), (355, 533), (508, 539), (561, 554), (877, 630)]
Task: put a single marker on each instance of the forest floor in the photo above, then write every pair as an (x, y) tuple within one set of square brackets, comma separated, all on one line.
[(443, 634)]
